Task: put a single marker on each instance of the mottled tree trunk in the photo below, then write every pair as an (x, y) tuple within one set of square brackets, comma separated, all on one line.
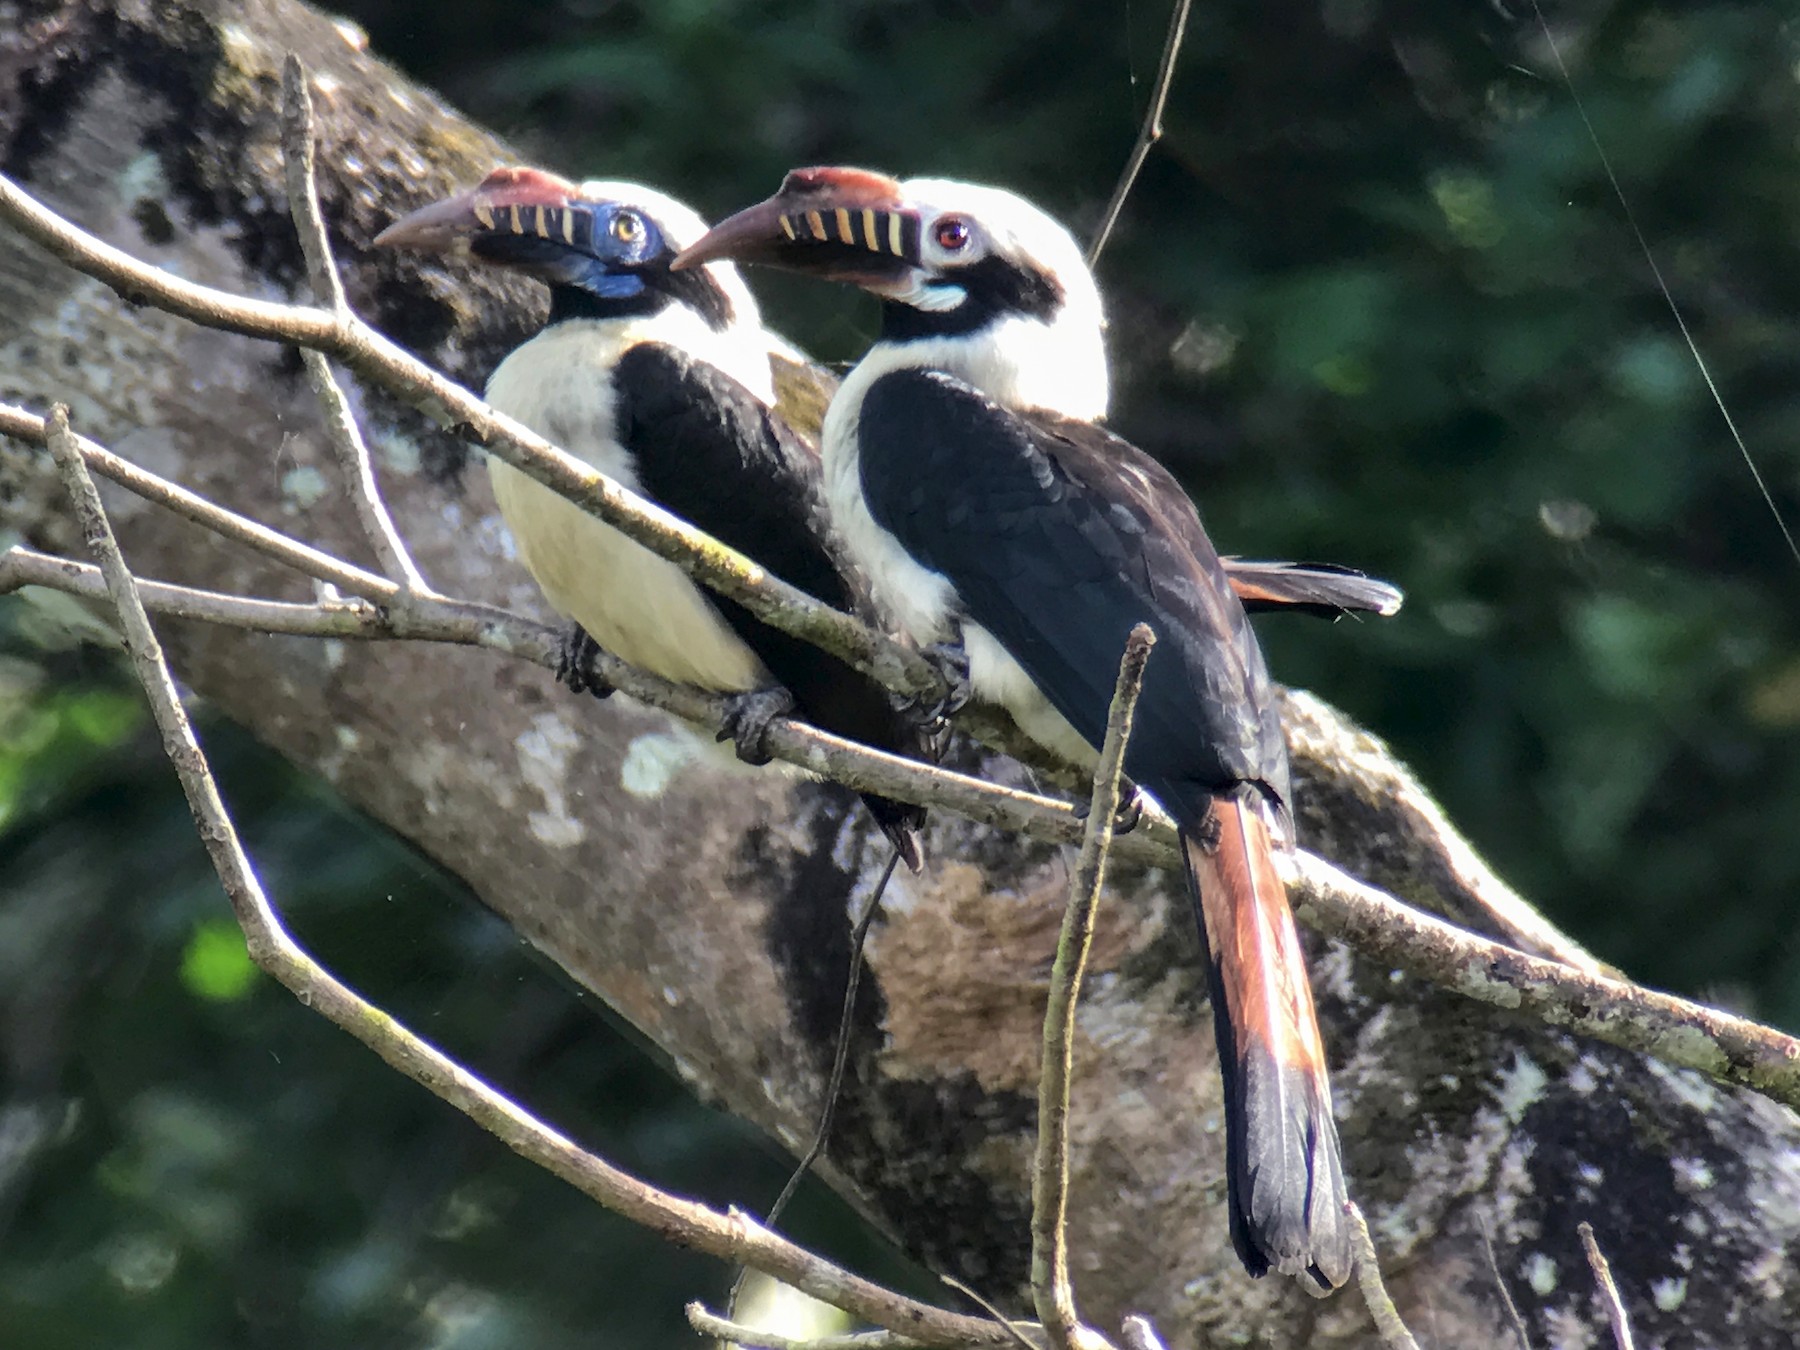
[(709, 904)]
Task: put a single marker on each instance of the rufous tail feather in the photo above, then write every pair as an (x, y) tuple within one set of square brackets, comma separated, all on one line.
[(1286, 1182)]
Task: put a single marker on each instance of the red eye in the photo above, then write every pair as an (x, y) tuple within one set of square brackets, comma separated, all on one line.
[(952, 234)]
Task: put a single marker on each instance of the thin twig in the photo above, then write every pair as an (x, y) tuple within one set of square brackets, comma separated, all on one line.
[(303, 558), (1015, 1330), (731, 1236), (1369, 1283), (381, 362), (1688, 1035), (1148, 134), (714, 1327), (298, 144), (1506, 1298), (840, 1059), (1051, 1291), (353, 459), (841, 1052), (1603, 1284)]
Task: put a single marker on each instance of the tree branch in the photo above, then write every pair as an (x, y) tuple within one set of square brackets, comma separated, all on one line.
[(381, 362), (297, 143), (1050, 1287), (732, 1236), (1675, 1030)]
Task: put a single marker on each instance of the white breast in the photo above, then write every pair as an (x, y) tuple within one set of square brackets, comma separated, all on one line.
[(638, 606), (917, 601)]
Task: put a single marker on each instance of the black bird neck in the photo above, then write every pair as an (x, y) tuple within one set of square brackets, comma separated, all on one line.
[(576, 302), (660, 288)]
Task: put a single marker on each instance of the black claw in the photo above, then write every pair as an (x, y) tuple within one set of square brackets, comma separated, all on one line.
[(575, 663), (951, 662), (747, 718), (1130, 812), (1131, 807)]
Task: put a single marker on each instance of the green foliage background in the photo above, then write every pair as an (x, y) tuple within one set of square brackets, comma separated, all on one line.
[(1375, 301)]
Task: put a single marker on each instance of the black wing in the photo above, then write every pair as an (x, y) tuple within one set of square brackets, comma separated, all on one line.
[(1059, 537), (709, 451)]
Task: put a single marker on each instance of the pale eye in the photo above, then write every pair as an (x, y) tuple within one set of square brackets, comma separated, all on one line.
[(627, 228), (952, 234)]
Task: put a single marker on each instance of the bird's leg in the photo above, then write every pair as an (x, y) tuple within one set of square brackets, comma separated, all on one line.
[(1131, 807), (951, 662), (747, 718), (575, 663)]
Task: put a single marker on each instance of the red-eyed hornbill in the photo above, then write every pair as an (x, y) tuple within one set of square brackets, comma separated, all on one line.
[(1003, 526), (661, 380)]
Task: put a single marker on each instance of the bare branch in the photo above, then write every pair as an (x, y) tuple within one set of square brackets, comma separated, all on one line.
[(1369, 1283), (1148, 134), (1679, 1032), (730, 1236), (1675, 1030), (1506, 1298), (1731, 1049), (303, 558), (1015, 1330), (381, 362), (298, 151), (1051, 1291), (1604, 1286), (718, 1328)]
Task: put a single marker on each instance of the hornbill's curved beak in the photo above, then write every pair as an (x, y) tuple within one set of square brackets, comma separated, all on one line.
[(507, 201), (845, 224)]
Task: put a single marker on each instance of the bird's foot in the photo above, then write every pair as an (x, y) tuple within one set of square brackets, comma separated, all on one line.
[(1130, 812), (950, 660), (575, 663), (747, 718)]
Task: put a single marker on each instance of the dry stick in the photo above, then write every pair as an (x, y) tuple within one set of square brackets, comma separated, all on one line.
[(1671, 1029), (1388, 1325), (1015, 1330), (1050, 1289), (729, 1236), (303, 558), (1603, 1282), (1148, 134), (1506, 1298), (841, 1051), (298, 151), (840, 1059), (381, 362), (718, 1328), (344, 618)]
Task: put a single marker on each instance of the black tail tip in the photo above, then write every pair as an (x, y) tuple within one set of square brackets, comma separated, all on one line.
[(1320, 1257), (1289, 1204)]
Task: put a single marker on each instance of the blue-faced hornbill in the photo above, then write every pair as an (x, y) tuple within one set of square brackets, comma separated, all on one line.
[(661, 380), (966, 467)]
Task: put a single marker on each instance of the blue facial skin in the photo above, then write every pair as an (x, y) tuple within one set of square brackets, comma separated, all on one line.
[(601, 260), (614, 247)]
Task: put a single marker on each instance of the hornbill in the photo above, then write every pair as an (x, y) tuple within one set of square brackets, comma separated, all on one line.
[(1004, 528), (661, 380)]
